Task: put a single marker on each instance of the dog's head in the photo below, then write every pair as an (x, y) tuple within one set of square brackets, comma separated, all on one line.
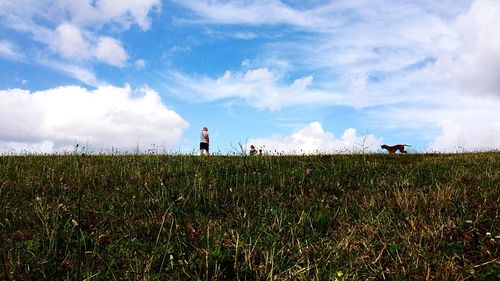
[(384, 146)]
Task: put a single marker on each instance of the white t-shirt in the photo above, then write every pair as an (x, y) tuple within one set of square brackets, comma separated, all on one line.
[(204, 136)]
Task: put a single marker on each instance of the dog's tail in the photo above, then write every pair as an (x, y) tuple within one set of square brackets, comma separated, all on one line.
[(407, 145)]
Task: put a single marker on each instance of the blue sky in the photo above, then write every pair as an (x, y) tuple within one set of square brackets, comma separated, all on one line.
[(293, 76)]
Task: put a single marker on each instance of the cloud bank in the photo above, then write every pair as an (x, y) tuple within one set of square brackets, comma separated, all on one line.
[(314, 139), (104, 118)]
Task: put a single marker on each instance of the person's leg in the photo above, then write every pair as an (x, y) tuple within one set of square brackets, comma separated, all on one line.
[(204, 149)]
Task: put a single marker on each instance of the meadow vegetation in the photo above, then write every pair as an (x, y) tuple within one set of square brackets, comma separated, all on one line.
[(323, 217)]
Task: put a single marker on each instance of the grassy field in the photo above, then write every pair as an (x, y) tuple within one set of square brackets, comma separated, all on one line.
[(344, 217)]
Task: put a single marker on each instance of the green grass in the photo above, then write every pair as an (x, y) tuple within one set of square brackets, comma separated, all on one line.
[(427, 216)]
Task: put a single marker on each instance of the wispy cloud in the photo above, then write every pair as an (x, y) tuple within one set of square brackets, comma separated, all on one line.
[(260, 88), (255, 13), (9, 51)]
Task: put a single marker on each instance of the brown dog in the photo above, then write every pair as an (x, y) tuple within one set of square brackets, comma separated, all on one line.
[(394, 148)]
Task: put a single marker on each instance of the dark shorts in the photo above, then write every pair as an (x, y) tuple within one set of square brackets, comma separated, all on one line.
[(204, 145)]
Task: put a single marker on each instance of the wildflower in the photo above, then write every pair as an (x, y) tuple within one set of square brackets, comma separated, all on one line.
[(308, 171), (340, 273), (497, 237), (133, 178), (488, 234), (74, 223)]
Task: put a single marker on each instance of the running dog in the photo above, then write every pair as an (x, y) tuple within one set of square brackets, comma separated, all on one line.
[(394, 148)]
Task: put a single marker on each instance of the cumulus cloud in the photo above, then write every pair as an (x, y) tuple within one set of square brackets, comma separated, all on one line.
[(472, 52), (107, 117), (314, 139), (458, 137), (72, 45), (111, 51), (70, 42)]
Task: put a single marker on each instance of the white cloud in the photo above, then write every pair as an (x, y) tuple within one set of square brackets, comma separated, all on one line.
[(463, 123), (456, 137), (84, 13), (140, 63), (472, 53), (111, 51), (255, 13), (361, 53), (127, 11), (104, 118), (70, 42), (314, 139), (9, 51), (245, 63), (401, 62), (72, 45), (245, 35), (302, 83), (81, 73), (260, 88), (72, 28)]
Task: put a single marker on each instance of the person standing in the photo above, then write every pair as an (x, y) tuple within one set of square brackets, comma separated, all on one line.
[(204, 142)]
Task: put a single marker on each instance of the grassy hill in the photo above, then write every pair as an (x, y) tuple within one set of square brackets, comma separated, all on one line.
[(427, 216)]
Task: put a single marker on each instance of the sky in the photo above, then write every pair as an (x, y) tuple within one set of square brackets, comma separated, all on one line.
[(286, 76)]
